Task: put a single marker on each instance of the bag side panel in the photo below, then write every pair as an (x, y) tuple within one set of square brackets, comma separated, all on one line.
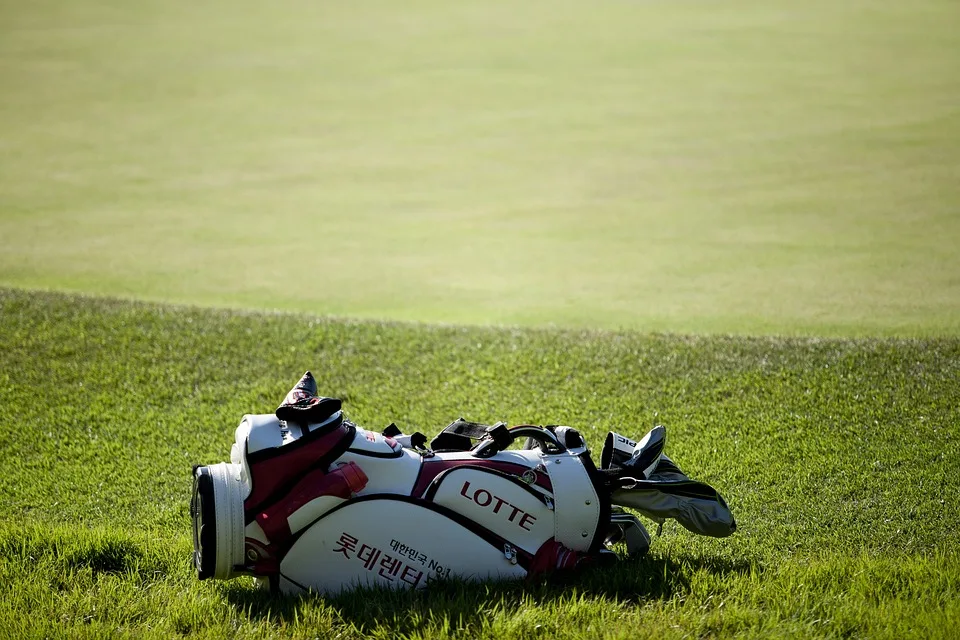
[(578, 508), (506, 507), (391, 543)]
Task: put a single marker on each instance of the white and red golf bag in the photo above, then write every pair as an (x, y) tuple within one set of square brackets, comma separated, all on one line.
[(312, 501)]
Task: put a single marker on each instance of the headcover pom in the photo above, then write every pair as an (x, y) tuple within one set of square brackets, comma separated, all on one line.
[(303, 405)]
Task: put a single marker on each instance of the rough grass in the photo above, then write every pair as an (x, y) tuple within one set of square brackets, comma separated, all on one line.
[(839, 457)]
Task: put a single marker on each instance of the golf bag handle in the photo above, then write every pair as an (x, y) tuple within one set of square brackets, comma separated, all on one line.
[(503, 438)]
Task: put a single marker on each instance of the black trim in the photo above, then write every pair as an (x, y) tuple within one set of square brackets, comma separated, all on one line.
[(666, 466), (447, 441), (391, 431), (501, 435), (397, 453), (603, 495), (418, 440), (276, 587), (336, 450), (434, 485), (524, 558), (204, 516)]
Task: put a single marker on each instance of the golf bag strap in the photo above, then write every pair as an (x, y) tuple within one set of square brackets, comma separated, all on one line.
[(544, 439), (459, 435), (473, 430)]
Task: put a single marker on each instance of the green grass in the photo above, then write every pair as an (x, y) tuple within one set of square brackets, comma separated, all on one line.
[(746, 167), (780, 169), (839, 457)]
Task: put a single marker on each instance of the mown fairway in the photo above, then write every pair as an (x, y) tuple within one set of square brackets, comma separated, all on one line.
[(748, 166), (838, 457)]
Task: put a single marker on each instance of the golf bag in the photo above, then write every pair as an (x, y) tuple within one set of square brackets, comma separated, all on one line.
[(312, 501)]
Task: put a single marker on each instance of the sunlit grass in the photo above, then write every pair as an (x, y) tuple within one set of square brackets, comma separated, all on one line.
[(838, 457)]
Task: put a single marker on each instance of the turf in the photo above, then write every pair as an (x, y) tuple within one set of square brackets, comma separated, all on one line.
[(723, 169), (748, 167), (839, 458)]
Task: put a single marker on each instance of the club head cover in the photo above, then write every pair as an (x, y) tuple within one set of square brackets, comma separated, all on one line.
[(303, 405), (569, 437), (639, 457), (616, 450), (646, 454)]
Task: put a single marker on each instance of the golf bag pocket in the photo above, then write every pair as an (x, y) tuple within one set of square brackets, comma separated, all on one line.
[(315, 493), (389, 467), (274, 455), (507, 507)]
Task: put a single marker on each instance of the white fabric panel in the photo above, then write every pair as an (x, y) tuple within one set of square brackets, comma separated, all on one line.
[(373, 442), (238, 458), (526, 457), (259, 430), (390, 543), (285, 586), (311, 511), (499, 505), (254, 532), (262, 431), (386, 475), (576, 503)]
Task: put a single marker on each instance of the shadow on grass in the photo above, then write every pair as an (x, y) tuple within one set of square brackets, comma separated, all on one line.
[(465, 604), (65, 550)]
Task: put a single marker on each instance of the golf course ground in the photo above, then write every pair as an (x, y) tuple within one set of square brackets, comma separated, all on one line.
[(738, 220)]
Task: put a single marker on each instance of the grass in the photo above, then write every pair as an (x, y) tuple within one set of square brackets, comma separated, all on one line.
[(744, 167), (839, 458), (779, 178)]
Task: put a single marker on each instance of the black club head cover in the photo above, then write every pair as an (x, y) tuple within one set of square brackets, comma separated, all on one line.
[(304, 406)]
